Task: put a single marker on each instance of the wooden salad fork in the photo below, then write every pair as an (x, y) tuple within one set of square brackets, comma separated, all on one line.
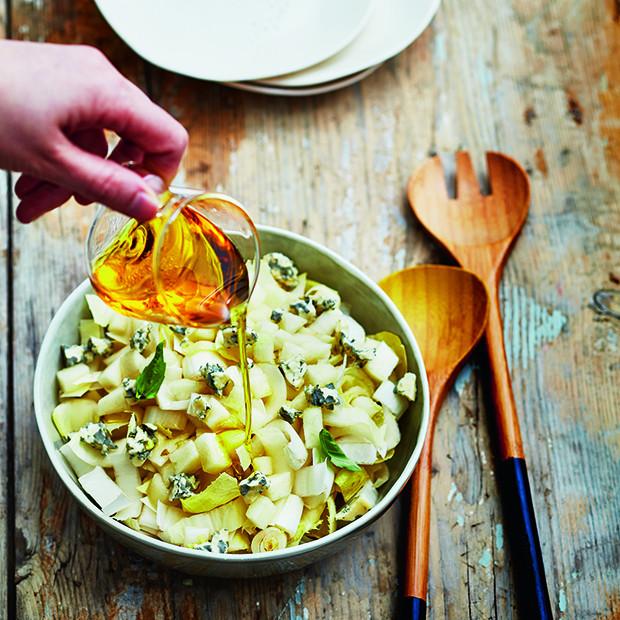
[(479, 232), (447, 309)]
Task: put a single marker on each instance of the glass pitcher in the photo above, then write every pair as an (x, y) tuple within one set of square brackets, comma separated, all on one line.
[(191, 265)]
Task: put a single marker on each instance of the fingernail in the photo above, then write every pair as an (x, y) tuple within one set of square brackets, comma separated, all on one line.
[(143, 207), (155, 183)]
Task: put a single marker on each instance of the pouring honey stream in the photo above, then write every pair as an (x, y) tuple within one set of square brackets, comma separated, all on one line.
[(180, 267)]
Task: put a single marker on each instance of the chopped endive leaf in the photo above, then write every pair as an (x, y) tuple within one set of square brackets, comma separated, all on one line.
[(70, 416), (222, 490), (144, 487), (396, 344), (314, 480), (331, 514), (334, 453), (350, 482), (150, 379), (310, 520), (378, 474), (407, 386), (363, 501), (231, 439), (268, 539), (356, 377)]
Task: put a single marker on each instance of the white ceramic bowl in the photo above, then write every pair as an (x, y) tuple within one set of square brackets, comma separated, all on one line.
[(369, 305)]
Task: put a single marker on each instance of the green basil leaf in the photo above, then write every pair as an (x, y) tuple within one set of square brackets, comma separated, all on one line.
[(334, 453), (150, 379)]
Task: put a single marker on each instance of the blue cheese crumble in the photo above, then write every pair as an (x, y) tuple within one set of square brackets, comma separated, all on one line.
[(218, 543), (183, 486), (326, 396), (141, 338), (304, 308), (141, 440), (323, 298), (198, 406), (359, 352), (215, 377), (294, 370), (99, 346), (254, 484), (283, 270), (228, 337), (75, 354), (179, 330), (276, 315), (288, 413), (129, 387), (85, 354), (97, 435)]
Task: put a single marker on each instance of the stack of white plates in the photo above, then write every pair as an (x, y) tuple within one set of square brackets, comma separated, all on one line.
[(280, 47)]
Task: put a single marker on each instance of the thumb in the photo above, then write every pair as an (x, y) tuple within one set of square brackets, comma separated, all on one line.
[(101, 180)]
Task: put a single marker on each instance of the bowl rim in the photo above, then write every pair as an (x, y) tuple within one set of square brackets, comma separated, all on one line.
[(346, 531)]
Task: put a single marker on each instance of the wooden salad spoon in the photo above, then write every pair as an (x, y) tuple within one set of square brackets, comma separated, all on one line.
[(479, 232), (447, 309)]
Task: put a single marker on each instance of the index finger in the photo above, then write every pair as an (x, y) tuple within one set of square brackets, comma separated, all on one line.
[(134, 117)]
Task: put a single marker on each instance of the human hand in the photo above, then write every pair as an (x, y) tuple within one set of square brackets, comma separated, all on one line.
[(55, 102)]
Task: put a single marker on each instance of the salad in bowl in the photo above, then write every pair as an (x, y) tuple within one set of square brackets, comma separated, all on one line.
[(151, 421)]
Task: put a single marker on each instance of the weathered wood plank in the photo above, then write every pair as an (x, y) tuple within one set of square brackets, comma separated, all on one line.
[(564, 393), (3, 15), (7, 513), (6, 426), (60, 556), (535, 81)]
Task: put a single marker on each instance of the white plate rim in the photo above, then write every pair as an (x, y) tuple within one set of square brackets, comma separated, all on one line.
[(319, 89), (310, 76), (137, 45)]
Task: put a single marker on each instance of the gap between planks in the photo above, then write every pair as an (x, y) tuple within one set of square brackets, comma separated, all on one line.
[(9, 602), (8, 605)]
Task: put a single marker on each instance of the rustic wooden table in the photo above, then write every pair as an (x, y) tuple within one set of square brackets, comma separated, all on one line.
[(540, 81)]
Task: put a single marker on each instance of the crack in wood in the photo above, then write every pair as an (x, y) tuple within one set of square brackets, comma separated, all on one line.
[(9, 435), (469, 567)]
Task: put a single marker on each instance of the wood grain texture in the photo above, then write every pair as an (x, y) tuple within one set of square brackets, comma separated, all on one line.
[(479, 231), (447, 309), (531, 79), (3, 20), (6, 464)]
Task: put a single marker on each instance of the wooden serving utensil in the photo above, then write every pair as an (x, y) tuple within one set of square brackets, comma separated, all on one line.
[(447, 309), (479, 232)]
